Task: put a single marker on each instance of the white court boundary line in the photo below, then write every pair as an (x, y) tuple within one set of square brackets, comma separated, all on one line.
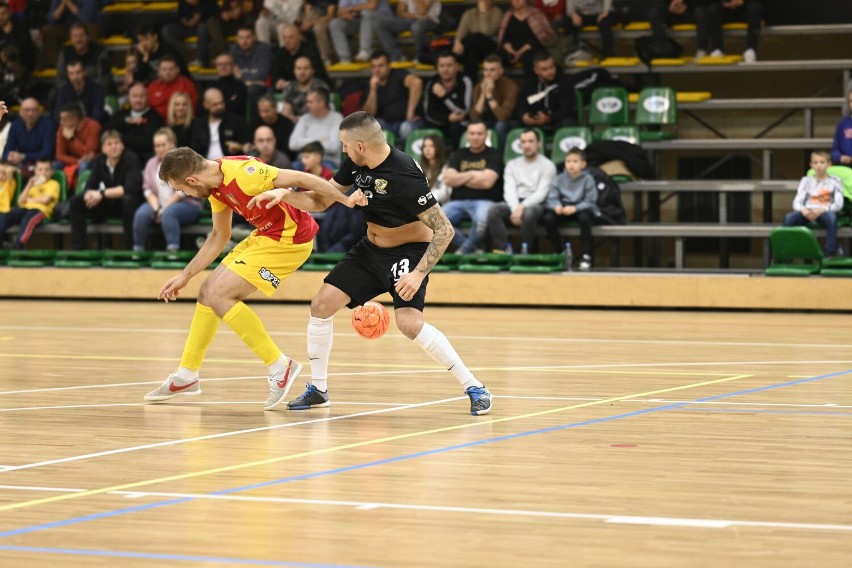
[(620, 518)]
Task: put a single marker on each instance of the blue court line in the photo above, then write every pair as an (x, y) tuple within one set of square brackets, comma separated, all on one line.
[(173, 557), (747, 411), (107, 514)]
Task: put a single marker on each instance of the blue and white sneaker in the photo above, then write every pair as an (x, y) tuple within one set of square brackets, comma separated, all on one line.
[(311, 398), (480, 400)]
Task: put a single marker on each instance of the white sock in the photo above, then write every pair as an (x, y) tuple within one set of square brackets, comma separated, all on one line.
[(320, 339), (184, 376), (279, 365), (438, 347)]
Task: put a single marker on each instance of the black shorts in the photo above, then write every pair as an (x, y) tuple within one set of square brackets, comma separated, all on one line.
[(368, 271)]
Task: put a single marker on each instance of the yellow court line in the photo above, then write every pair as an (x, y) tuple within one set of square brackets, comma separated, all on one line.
[(353, 445)]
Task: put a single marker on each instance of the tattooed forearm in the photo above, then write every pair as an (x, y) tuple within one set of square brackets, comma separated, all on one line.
[(442, 235)]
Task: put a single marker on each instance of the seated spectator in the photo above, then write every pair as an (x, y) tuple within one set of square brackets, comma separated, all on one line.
[(312, 157), (14, 78), (433, 162), (76, 142), (35, 204), (273, 15), (748, 11), (573, 196), (294, 46), (197, 18), (61, 15), (8, 187), (320, 124), (669, 12), (114, 190), (93, 57), (151, 49), (31, 137), (171, 209), (221, 133), (268, 115), (179, 118), (475, 35), (526, 182), (554, 11), (234, 90), (295, 94), (841, 149), (316, 16), (264, 148), (818, 200), (417, 16), (591, 13), (236, 13), (393, 97), (169, 81), (138, 123), (355, 17), (14, 32), (474, 173), (132, 75), (494, 98), (79, 89), (544, 96), (253, 60), (449, 96), (523, 31)]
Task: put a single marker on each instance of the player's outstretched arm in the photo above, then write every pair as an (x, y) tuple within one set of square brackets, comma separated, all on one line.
[(292, 178), (304, 200)]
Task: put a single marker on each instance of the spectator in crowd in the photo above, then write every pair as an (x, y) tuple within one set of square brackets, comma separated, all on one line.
[(523, 31), (474, 173), (132, 74), (93, 57), (14, 32), (76, 141), (495, 97), (61, 15), (236, 13), (591, 13), (554, 11), (433, 162), (449, 96), (475, 35), (316, 16), (273, 15), (294, 46), (138, 123), (8, 187), (114, 190), (526, 182), (234, 90), (82, 90), (223, 133), (748, 11), (393, 97), (31, 137), (35, 204), (841, 149), (264, 148), (253, 60), (13, 75), (544, 96), (355, 16), (417, 16), (669, 12), (295, 94), (818, 200), (169, 81), (573, 196), (171, 209), (320, 124), (197, 18), (179, 118), (268, 115), (151, 49)]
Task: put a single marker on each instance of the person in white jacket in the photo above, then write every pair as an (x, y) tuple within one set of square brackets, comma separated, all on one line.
[(273, 15)]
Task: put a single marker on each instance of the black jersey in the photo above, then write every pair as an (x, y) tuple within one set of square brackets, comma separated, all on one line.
[(396, 190)]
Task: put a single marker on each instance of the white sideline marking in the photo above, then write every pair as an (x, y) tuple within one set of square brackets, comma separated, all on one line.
[(670, 522)]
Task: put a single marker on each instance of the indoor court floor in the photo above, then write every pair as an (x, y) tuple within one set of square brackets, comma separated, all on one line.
[(617, 438)]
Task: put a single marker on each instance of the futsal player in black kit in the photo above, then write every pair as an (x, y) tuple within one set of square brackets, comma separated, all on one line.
[(407, 232)]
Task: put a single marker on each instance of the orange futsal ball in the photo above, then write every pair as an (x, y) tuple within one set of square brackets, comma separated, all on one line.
[(371, 320)]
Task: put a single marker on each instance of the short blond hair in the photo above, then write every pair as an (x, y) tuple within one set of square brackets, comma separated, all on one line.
[(180, 163)]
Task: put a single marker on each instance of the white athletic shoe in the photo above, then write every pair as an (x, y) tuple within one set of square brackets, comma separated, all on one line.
[(717, 53), (169, 389), (700, 54), (749, 56), (280, 383)]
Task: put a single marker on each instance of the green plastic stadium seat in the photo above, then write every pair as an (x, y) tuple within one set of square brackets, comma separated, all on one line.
[(513, 143), (569, 137), (656, 110), (609, 107), (791, 244), (623, 133), (78, 258), (414, 142), (533, 263), (30, 258), (126, 259)]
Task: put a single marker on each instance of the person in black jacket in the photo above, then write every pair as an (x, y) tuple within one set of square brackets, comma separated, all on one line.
[(114, 190), (231, 129), (137, 124), (544, 96)]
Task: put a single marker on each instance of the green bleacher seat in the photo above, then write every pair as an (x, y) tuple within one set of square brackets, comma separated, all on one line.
[(609, 107), (513, 142), (792, 244), (78, 258), (537, 263), (30, 258), (656, 110), (126, 259), (486, 262), (624, 133), (569, 137)]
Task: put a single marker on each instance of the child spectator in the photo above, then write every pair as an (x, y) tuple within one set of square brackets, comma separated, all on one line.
[(818, 199), (312, 156), (8, 185), (35, 204)]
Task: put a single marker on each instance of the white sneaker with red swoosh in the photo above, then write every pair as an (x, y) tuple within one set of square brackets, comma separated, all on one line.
[(280, 383), (171, 388)]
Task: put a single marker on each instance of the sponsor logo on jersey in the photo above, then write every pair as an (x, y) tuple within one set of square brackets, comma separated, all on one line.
[(380, 185), (368, 194), (269, 277), (250, 170), (232, 198), (422, 200)]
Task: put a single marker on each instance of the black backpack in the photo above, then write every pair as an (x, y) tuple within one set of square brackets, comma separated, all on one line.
[(652, 47), (609, 198)]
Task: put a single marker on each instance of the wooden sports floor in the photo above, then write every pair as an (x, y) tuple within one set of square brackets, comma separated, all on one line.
[(618, 438)]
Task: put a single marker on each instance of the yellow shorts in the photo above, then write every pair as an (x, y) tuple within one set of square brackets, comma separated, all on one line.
[(266, 263)]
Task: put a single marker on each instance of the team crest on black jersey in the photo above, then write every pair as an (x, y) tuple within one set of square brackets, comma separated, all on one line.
[(380, 185)]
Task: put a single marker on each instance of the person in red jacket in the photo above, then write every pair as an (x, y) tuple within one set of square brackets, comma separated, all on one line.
[(77, 140), (169, 81)]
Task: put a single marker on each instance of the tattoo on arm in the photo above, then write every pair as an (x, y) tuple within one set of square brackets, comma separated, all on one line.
[(442, 234)]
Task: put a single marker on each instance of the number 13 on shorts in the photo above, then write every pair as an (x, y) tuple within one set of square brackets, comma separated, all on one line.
[(400, 268)]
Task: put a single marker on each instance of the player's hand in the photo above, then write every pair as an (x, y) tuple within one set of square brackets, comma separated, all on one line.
[(408, 284), (171, 289), (357, 198), (272, 198)]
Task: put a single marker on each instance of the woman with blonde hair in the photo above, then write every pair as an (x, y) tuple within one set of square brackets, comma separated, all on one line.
[(179, 117)]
